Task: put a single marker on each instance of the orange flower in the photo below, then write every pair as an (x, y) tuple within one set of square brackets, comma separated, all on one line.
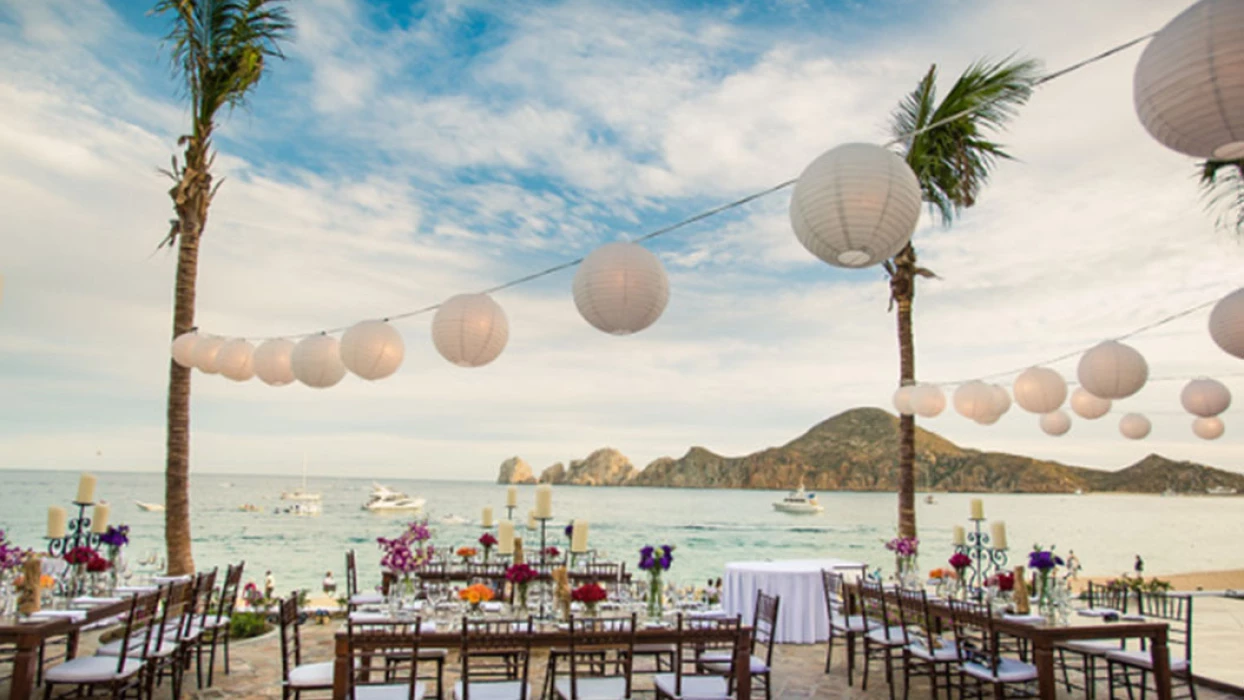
[(46, 581), (467, 552), (476, 593), (936, 574)]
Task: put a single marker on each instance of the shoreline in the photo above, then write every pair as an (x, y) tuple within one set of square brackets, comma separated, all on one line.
[(1188, 581)]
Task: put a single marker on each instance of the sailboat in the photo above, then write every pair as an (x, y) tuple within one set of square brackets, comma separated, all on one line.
[(928, 497), (301, 493)]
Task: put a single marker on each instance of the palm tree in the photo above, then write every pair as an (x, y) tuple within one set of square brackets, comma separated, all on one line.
[(947, 147), (218, 49), (1222, 183)]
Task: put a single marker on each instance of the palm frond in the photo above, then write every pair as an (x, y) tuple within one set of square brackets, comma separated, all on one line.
[(1222, 186)]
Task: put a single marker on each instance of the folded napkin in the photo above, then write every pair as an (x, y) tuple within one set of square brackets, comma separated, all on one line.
[(491, 606), (1023, 618), (1096, 612), (708, 614), (75, 615), (1133, 618), (135, 589), (360, 618), (89, 600)]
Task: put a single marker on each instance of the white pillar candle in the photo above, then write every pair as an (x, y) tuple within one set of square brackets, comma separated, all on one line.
[(958, 539), (57, 520), (486, 517), (978, 509), (999, 535), (544, 501), (99, 522), (531, 520), (578, 537), (86, 489), (505, 537), (511, 496)]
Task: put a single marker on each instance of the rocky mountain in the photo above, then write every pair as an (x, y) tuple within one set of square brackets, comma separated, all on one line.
[(858, 451), (515, 471)]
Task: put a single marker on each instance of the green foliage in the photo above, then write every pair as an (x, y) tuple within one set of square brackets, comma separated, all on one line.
[(1222, 185), (244, 625), (1139, 584)]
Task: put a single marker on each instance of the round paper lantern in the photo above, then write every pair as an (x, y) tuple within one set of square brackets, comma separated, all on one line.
[(1205, 397), (1088, 406), (236, 360), (975, 400), (1134, 426), (1189, 82), (205, 352), (470, 330), (1040, 390), (856, 205), (620, 288), (927, 400), (990, 419), (183, 348), (1001, 401), (372, 349), (1056, 423), (1208, 428), (1226, 323), (272, 362), (1112, 370), (316, 361), (902, 400)]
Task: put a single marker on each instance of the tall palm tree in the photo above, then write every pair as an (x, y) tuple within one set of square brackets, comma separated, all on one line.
[(947, 147), (218, 50), (1222, 182)]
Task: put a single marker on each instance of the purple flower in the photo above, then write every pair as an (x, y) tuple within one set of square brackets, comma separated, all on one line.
[(570, 530), (1042, 560), (650, 560), (903, 546), (116, 536), (11, 556)]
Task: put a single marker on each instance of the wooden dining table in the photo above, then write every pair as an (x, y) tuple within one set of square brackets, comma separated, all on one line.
[(30, 634)]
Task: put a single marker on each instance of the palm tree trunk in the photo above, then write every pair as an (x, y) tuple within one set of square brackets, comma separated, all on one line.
[(903, 291)]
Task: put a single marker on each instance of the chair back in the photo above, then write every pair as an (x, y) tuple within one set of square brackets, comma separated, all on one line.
[(352, 575), (201, 598), (291, 636), (1113, 597), (491, 574), (917, 619), (974, 633), (495, 650), (697, 634), (140, 623), (764, 624), (874, 606), (178, 613), (606, 571), (600, 647), (394, 646), (1176, 610), (229, 592)]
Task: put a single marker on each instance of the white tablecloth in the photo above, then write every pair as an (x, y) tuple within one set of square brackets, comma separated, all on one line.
[(802, 618)]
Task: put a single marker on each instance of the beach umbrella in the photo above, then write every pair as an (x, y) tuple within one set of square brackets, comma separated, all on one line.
[(1226, 323), (205, 353), (235, 360), (621, 288), (316, 361), (1208, 428), (927, 400), (1040, 390), (272, 362), (1205, 397), (183, 348), (1086, 405), (856, 205), (1134, 426), (902, 400), (1112, 370), (470, 330), (1056, 423), (1189, 83), (975, 400), (372, 349)]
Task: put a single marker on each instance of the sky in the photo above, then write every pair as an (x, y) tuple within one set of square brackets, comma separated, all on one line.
[(406, 152)]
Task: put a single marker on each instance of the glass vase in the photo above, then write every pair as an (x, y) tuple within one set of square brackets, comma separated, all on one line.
[(656, 595), (909, 573), (520, 600), (1046, 605)]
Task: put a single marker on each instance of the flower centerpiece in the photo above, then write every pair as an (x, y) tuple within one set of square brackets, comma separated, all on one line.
[(521, 576), (407, 553), (959, 561), (1044, 562), (655, 560), (943, 580), (487, 541), (467, 553), (115, 538), (476, 594), (590, 594), (905, 550), (552, 552), (11, 559)]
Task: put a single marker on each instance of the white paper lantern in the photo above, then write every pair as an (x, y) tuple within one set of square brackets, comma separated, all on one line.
[(205, 353), (471, 330), (183, 348), (1112, 370), (1208, 428), (990, 419), (1001, 401), (1189, 82), (902, 400), (316, 361), (1056, 423), (975, 400), (272, 362), (1226, 323), (621, 288), (1040, 390), (927, 400), (372, 349), (1205, 397), (236, 360), (1089, 406), (1134, 426), (856, 205)]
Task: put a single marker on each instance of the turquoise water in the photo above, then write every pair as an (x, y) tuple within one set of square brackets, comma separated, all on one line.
[(708, 527)]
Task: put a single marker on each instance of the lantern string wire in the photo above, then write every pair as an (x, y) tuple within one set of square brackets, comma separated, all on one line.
[(722, 208)]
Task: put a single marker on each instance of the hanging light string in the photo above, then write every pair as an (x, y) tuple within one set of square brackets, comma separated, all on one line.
[(738, 202)]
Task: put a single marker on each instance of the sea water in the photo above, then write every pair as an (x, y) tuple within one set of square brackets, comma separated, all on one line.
[(708, 527)]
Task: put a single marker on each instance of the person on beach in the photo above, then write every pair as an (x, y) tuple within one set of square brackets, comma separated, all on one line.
[(1139, 566), (269, 585), (329, 585), (1073, 565)]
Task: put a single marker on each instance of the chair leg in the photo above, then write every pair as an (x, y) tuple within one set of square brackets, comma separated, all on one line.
[(850, 659), (889, 670), (211, 658), (866, 665), (829, 651)]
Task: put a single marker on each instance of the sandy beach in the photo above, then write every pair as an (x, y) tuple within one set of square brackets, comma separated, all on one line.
[(1231, 579)]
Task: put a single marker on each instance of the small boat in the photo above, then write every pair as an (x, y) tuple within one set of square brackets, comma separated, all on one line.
[(799, 502), (301, 493), (149, 507), (930, 500), (305, 508), (249, 508), (383, 499), (453, 519)]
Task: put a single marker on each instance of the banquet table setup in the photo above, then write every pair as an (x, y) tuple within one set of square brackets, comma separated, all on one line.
[(803, 618)]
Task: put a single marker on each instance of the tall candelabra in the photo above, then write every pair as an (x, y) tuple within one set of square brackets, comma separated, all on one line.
[(986, 559), (77, 534), (545, 573)]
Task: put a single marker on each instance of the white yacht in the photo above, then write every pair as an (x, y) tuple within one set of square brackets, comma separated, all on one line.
[(384, 499), (301, 493), (149, 507), (799, 502)]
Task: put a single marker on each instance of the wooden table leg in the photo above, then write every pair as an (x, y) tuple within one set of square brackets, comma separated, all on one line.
[(1043, 657), (341, 668), (25, 669), (743, 666), (1161, 658)]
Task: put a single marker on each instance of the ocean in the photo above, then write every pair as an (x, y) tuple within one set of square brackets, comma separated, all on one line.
[(707, 527)]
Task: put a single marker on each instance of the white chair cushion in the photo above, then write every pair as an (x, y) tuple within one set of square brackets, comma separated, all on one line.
[(91, 669), (693, 687), (890, 636), (366, 599), (387, 692), (1142, 659), (312, 675), (113, 649), (947, 651), (593, 688), (213, 623), (855, 623), (719, 660), (1009, 671), (494, 690), (1092, 647)]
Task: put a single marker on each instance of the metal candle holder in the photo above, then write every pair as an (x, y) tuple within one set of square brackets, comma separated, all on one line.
[(544, 560), (77, 534), (509, 513), (986, 559)]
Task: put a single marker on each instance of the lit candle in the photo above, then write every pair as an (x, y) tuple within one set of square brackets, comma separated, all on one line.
[(578, 537), (544, 501), (999, 535), (99, 522), (57, 520), (531, 520), (978, 509), (958, 539), (511, 497), (505, 537), (486, 518), (86, 489)]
